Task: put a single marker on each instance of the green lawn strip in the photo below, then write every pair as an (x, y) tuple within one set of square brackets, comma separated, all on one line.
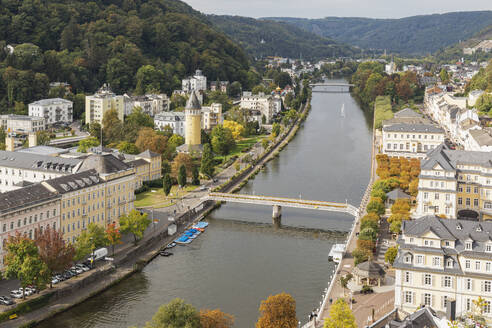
[(382, 110), (241, 145), (155, 196)]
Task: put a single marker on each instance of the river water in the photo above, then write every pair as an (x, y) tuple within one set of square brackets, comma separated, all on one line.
[(242, 259)]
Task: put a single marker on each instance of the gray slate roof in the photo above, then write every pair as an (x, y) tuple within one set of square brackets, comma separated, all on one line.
[(148, 154), (481, 137), (51, 101), (407, 112), (449, 159), (104, 164), (406, 127), (24, 197), (424, 317), (38, 162), (170, 116), (75, 181), (193, 102), (397, 194)]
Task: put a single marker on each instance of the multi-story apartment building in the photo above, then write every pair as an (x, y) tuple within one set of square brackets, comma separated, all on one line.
[(266, 104), (148, 167), (27, 211), (22, 123), (175, 120), (442, 260), (101, 102), (211, 116), (219, 86), (151, 104), (82, 201), (197, 82), (456, 183), (54, 110), (119, 181), (18, 169)]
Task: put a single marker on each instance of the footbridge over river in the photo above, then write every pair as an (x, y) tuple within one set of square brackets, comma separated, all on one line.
[(331, 87), (278, 202)]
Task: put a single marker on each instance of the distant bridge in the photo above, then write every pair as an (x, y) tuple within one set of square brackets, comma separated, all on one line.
[(67, 141), (278, 202), (331, 84)]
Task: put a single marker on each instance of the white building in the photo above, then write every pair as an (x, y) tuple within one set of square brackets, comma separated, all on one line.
[(266, 104), (175, 120), (441, 262), (55, 110), (151, 104), (408, 134), (473, 97), (101, 102), (22, 123), (211, 116), (197, 82)]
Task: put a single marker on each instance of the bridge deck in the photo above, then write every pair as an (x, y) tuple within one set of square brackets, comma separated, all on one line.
[(281, 201)]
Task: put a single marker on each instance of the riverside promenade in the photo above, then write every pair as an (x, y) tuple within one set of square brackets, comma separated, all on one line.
[(367, 308)]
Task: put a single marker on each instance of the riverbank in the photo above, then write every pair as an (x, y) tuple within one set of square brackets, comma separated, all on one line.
[(135, 258)]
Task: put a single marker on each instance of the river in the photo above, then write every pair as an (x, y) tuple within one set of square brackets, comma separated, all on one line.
[(242, 259)]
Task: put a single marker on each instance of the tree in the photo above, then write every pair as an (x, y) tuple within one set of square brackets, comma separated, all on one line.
[(360, 256), (180, 160), (479, 305), (89, 240), (234, 89), (22, 262), (340, 316), (277, 311), (215, 319), (375, 206), (86, 144), (265, 143), (344, 281), (401, 206), (276, 129), (395, 226), (390, 254), (236, 129), (444, 76), (222, 140), (113, 236), (379, 193), (207, 163), (182, 176), (43, 138), (112, 127), (195, 176), (167, 184), (136, 121), (135, 223), (128, 148), (148, 79), (53, 251), (175, 314), (149, 139)]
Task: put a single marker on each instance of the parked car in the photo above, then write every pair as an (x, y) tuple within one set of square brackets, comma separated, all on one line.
[(5, 300), (82, 267), (59, 277), (77, 270), (67, 274), (27, 291), (31, 290), (54, 280), (16, 294)]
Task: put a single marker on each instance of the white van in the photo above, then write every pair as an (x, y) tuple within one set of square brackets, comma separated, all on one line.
[(98, 254)]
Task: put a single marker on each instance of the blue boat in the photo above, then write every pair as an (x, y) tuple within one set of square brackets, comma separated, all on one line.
[(183, 240), (201, 225)]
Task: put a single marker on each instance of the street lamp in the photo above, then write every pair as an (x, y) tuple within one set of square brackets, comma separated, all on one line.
[(92, 248)]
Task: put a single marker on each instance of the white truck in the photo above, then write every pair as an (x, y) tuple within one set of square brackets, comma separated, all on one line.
[(98, 254)]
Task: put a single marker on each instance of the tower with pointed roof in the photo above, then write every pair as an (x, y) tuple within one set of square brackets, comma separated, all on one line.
[(193, 114)]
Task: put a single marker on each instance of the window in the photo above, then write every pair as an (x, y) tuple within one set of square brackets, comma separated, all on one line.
[(408, 277), (447, 281), (488, 248), (468, 202), (420, 259), (468, 304), (468, 189), (426, 195), (436, 261), (487, 266), (468, 245), (427, 299), (449, 263), (487, 286), (475, 202), (467, 264), (444, 302), (477, 265), (448, 197), (460, 201), (486, 307), (427, 279), (475, 190), (408, 297), (468, 284), (436, 196)]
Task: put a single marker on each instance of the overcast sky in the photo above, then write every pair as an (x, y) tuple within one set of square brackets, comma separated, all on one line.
[(343, 8)]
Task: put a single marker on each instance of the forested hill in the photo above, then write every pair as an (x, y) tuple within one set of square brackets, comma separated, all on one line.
[(89, 43), (411, 35), (269, 38)]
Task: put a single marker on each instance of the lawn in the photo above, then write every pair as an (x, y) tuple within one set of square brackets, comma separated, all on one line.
[(382, 110), (156, 198), (241, 145)]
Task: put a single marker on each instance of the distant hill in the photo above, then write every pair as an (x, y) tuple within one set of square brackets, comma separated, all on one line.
[(269, 38), (411, 35)]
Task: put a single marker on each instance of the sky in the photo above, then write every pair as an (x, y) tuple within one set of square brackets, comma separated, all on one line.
[(342, 8)]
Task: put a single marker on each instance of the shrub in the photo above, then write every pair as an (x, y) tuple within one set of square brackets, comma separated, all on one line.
[(376, 207), (360, 256), (369, 234), (382, 185), (390, 255)]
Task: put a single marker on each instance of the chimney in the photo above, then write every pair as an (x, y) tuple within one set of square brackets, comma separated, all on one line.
[(451, 310), (9, 143), (33, 140)]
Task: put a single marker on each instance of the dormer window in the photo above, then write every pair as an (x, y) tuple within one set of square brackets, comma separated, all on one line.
[(408, 258), (449, 263), (446, 243), (479, 228), (458, 226), (468, 245), (488, 248)]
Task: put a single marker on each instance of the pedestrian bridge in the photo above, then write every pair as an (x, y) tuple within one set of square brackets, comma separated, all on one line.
[(331, 84), (279, 202)]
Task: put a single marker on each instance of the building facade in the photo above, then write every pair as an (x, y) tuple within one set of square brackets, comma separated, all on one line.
[(101, 102), (197, 82), (151, 104), (54, 110), (27, 211), (443, 260), (148, 167), (175, 120), (456, 184), (22, 124), (266, 104), (211, 116)]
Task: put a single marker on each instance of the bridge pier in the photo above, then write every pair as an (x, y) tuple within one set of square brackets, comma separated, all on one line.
[(277, 215)]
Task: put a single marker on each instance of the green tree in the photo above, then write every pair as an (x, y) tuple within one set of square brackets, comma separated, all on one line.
[(276, 129), (265, 143), (43, 138), (175, 314), (340, 316), (195, 176), (222, 140), (135, 223), (89, 240), (207, 163), (128, 148), (444, 76), (390, 254), (148, 79), (277, 311), (375, 206), (234, 89), (182, 176), (167, 184), (22, 262), (112, 127), (86, 144)]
